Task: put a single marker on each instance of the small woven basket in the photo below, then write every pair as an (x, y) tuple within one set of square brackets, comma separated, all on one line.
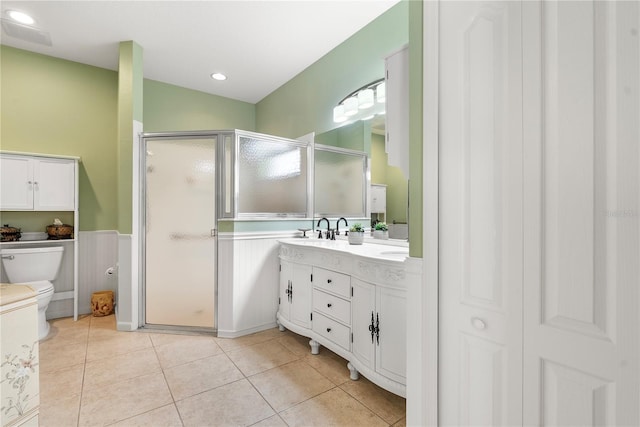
[(57, 232)]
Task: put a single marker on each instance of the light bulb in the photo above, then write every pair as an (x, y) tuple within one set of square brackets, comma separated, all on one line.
[(350, 106), (365, 99), (338, 114)]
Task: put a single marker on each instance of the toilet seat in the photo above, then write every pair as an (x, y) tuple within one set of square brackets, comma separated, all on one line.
[(40, 286)]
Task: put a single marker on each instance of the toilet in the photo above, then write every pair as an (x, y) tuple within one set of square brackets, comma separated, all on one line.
[(35, 267)]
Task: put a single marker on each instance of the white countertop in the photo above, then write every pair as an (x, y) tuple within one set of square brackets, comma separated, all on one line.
[(388, 251), (12, 293)]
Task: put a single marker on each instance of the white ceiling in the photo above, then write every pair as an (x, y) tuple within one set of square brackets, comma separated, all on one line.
[(259, 45)]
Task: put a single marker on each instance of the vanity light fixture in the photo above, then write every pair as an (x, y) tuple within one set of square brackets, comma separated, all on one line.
[(361, 104), (20, 17), (218, 76)]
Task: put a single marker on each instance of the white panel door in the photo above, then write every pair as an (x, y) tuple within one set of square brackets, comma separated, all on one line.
[(363, 306), (54, 185), (581, 326), (16, 183), (300, 295), (480, 341), (284, 301), (391, 308)]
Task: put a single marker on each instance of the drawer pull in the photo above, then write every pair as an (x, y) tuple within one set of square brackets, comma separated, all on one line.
[(328, 329), (329, 305), (328, 280)]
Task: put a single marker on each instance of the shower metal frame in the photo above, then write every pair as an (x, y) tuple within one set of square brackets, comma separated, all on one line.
[(186, 135)]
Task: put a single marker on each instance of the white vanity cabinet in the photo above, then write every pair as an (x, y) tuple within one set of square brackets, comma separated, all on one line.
[(20, 370), (37, 183), (351, 301), (379, 328), (295, 293)]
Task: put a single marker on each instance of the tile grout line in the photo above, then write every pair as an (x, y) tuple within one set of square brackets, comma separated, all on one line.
[(164, 376), (84, 371)]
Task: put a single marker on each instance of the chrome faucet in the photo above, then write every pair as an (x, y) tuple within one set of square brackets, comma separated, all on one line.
[(338, 225), (328, 225)]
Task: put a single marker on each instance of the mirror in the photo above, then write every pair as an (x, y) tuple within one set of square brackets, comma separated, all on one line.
[(369, 137)]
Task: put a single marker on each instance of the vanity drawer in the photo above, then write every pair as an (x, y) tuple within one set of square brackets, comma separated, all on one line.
[(331, 281), (332, 330), (332, 306)]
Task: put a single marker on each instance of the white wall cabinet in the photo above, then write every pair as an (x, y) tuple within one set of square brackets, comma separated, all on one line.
[(353, 306), (397, 107), (295, 293), (32, 182), (37, 183)]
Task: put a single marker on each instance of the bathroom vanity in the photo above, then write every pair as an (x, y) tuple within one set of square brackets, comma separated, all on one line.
[(20, 360), (350, 299)]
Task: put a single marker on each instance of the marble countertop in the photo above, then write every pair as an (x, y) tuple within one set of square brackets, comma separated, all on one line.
[(368, 249), (10, 293)]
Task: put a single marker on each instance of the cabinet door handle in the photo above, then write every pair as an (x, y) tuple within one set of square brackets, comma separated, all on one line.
[(329, 305), (328, 329), (377, 329), (29, 182), (372, 328), (478, 323), (328, 280)]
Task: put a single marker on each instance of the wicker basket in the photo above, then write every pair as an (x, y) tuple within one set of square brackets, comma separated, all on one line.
[(9, 234), (57, 232)]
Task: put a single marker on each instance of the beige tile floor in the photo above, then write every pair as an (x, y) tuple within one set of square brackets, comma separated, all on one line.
[(93, 375)]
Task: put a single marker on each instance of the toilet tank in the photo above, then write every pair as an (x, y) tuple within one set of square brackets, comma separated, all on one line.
[(32, 264)]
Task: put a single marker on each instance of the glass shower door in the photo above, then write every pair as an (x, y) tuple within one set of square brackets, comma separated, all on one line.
[(180, 242)]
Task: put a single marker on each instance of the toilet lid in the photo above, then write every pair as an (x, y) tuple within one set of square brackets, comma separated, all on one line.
[(41, 286)]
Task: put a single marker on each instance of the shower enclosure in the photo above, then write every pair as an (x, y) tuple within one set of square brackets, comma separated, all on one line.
[(179, 248), (189, 181)]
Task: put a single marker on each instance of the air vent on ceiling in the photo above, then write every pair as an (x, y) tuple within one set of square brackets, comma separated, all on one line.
[(26, 33)]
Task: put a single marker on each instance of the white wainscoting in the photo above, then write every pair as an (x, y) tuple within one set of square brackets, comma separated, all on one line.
[(248, 277), (98, 251)]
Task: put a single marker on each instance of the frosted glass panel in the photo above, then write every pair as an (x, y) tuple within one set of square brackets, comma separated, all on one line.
[(180, 247), (272, 177), (340, 181)]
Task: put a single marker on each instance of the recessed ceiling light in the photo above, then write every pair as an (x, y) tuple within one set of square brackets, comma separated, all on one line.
[(218, 76), (20, 17)]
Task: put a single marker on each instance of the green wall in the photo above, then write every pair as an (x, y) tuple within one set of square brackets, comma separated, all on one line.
[(53, 106), (169, 108), (415, 128), (305, 103)]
